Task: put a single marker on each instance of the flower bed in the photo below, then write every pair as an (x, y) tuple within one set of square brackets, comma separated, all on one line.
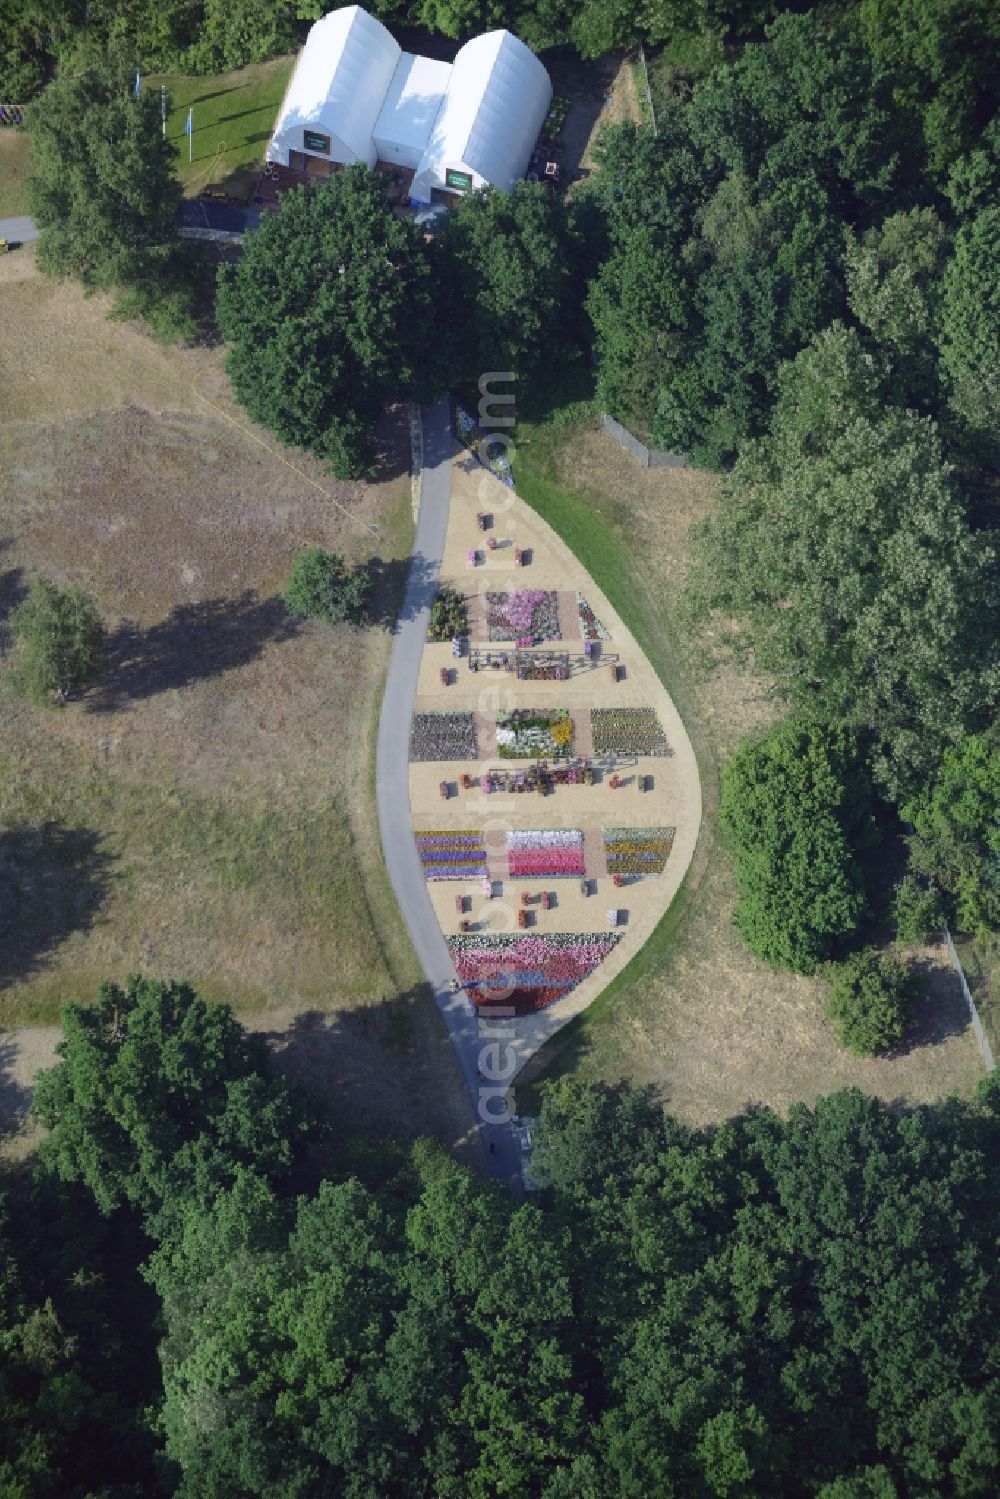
[(452, 856), (551, 853), (443, 736), (627, 731), (527, 733), (637, 850), (590, 626), (449, 616), (490, 454), (527, 971), (526, 614)]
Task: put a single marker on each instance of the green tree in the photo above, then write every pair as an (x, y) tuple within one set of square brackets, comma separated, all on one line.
[(102, 191), (794, 809), (956, 840), (870, 1000), (60, 639), (157, 1095), (893, 282), (970, 320), (843, 549), (505, 262), (327, 314), (937, 53), (323, 586)]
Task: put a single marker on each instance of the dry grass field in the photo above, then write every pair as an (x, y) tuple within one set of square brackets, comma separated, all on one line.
[(206, 812), (701, 1022)]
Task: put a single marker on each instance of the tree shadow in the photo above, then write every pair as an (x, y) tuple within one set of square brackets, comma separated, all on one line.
[(14, 1096), (13, 589), (939, 1011), (366, 1065), (53, 881), (398, 588), (193, 643)]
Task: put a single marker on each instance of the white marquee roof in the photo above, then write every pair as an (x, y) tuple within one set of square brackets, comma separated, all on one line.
[(496, 102), (341, 80), (413, 102)]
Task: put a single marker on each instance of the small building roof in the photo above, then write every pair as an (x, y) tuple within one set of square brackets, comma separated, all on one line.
[(413, 102)]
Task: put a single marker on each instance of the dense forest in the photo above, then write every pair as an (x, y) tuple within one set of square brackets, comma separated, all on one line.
[(197, 1296)]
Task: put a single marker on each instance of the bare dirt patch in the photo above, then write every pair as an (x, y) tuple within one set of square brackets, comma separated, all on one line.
[(707, 1026)]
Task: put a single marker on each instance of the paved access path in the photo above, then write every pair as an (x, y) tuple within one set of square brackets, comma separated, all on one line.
[(392, 792), (18, 231)]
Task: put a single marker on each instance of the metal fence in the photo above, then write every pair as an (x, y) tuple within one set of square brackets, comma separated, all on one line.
[(648, 457), (646, 89), (977, 1025)]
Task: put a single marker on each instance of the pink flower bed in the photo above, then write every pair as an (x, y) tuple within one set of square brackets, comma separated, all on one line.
[(528, 972), (552, 853)]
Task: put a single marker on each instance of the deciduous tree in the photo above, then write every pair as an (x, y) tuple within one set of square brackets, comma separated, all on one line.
[(328, 316)]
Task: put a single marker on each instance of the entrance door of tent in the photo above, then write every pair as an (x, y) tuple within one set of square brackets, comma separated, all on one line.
[(314, 166)]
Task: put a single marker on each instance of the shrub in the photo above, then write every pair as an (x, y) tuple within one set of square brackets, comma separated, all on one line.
[(60, 641), (870, 1001), (795, 810), (322, 586), (917, 909)]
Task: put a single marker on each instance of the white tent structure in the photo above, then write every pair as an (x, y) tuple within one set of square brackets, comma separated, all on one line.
[(411, 107), (497, 100), (355, 96), (337, 89)]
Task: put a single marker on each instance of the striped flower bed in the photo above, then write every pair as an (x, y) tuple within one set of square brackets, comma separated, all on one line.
[(552, 853), (527, 972), (627, 731), (637, 850), (443, 736), (452, 856)]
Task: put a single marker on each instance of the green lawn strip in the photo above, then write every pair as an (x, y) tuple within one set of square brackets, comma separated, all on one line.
[(592, 530), (233, 110), (13, 170)]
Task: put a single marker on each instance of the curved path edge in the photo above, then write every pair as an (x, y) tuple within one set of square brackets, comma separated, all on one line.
[(392, 793)]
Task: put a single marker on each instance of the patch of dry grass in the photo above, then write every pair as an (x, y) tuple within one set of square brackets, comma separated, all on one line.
[(209, 807), (703, 1023)]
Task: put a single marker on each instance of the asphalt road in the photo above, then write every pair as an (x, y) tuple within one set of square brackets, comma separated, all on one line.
[(196, 213), (18, 231), (474, 1049)]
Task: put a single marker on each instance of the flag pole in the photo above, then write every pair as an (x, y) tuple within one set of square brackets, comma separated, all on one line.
[(190, 134)]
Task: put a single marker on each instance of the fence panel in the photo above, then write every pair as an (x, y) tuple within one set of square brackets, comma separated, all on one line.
[(977, 1025), (646, 88), (648, 457)]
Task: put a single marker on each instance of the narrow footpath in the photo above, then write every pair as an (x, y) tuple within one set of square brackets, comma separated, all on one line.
[(392, 790)]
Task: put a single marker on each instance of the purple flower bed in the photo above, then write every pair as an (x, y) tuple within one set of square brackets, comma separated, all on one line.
[(527, 613), (452, 856)]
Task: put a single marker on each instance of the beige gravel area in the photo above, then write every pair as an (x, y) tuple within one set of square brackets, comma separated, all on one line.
[(673, 801)]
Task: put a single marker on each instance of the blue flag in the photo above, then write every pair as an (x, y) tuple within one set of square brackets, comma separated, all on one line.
[(138, 86), (188, 121)]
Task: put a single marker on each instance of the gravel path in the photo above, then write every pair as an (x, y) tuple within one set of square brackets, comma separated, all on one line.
[(473, 1050)]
